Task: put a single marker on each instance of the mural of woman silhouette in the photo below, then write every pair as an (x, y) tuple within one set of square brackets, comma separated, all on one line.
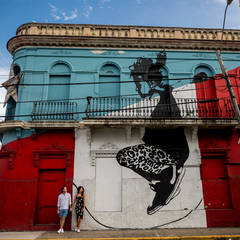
[(160, 160)]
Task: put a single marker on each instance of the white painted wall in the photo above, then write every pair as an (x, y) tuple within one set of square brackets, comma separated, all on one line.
[(118, 197)]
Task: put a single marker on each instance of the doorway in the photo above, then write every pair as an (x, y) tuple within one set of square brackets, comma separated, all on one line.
[(49, 185)]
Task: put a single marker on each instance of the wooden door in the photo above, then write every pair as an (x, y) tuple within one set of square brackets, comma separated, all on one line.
[(50, 183)]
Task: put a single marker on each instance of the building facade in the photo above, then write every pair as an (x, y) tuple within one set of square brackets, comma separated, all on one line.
[(139, 116)]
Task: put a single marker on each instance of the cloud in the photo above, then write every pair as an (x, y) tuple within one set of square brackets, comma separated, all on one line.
[(73, 15), (61, 15), (87, 11), (105, 1), (220, 1)]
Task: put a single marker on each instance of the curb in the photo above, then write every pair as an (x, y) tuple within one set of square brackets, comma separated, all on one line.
[(209, 237)]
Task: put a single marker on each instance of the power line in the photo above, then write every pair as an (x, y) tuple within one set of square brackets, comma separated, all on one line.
[(126, 108), (123, 95), (218, 77)]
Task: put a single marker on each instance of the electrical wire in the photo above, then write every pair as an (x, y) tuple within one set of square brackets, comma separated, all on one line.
[(122, 95), (112, 82), (157, 226), (89, 113)]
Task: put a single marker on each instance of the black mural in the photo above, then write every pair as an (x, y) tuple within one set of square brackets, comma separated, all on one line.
[(160, 160), (145, 72)]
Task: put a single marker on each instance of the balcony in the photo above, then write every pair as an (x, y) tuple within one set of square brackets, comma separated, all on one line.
[(54, 111), (183, 109)]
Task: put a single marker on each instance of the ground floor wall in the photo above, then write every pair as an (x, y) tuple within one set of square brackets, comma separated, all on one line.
[(220, 171), (134, 177), (32, 171), (130, 184)]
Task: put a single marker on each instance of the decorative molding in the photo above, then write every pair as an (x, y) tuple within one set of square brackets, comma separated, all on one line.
[(7, 152), (53, 147), (52, 151), (212, 152), (108, 146), (107, 150), (109, 36)]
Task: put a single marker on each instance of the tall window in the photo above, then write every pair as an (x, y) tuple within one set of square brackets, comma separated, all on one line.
[(205, 84), (11, 104), (109, 73), (208, 105), (59, 74)]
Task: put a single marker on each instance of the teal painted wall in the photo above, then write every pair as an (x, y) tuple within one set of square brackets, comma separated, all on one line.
[(84, 65)]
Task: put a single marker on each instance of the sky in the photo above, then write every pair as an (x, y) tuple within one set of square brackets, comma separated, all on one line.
[(165, 13)]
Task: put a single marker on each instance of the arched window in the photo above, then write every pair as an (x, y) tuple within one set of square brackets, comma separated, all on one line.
[(205, 85), (206, 92), (60, 73), (11, 103), (109, 73)]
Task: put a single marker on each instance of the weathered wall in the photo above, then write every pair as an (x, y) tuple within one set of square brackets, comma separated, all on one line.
[(32, 171), (123, 199)]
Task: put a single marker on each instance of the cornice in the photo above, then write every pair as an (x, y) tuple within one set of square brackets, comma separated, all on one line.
[(110, 36)]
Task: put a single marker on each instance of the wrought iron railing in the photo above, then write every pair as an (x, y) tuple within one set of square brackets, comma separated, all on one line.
[(129, 107), (51, 110)]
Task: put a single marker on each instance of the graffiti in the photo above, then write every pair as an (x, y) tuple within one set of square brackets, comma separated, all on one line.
[(150, 82), (160, 160)]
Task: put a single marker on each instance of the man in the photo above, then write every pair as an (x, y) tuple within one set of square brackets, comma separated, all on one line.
[(63, 205)]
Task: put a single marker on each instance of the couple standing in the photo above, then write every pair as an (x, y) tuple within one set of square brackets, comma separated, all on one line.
[(65, 204)]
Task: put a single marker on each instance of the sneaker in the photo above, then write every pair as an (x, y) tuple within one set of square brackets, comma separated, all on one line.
[(59, 231), (62, 231), (166, 190), (78, 231)]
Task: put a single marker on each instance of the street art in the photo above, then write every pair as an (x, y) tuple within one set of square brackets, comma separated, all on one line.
[(150, 82), (160, 160)]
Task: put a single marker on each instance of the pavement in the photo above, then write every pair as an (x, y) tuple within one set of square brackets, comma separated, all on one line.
[(154, 234)]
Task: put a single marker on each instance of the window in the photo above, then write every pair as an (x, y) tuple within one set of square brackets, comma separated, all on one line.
[(205, 85), (59, 73), (109, 73)]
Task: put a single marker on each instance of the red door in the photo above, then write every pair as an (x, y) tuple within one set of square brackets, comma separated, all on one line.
[(50, 183)]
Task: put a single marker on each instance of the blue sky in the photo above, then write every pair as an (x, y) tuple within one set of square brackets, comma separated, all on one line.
[(173, 13)]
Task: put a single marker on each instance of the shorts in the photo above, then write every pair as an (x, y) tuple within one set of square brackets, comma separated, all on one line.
[(63, 212)]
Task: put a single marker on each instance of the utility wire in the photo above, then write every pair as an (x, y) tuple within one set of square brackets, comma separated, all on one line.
[(91, 112), (114, 82), (158, 226), (126, 95)]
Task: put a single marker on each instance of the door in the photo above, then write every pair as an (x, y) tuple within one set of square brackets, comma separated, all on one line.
[(50, 183)]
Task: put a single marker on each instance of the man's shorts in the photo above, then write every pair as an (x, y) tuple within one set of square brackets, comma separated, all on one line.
[(63, 212)]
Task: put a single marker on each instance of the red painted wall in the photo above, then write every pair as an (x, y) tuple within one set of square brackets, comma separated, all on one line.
[(220, 162), (20, 164)]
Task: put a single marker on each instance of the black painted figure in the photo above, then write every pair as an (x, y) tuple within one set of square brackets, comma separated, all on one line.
[(160, 160), (150, 82)]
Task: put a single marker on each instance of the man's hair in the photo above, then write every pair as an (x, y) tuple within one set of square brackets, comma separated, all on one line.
[(62, 188)]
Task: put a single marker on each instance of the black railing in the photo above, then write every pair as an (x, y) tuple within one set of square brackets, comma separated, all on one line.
[(129, 107), (50, 110)]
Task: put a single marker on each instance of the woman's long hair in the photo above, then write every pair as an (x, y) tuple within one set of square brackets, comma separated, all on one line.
[(78, 190)]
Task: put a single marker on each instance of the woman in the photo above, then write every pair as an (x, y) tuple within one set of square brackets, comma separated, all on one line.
[(160, 160), (79, 202)]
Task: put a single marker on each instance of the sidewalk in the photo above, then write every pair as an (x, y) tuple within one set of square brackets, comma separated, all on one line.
[(156, 234)]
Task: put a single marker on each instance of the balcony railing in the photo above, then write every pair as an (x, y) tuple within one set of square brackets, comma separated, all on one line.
[(50, 110), (129, 107)]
